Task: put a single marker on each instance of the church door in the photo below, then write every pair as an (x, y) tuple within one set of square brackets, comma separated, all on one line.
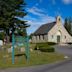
[(58, 38)]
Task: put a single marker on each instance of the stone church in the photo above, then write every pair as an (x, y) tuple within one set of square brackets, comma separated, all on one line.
[(52, 32)]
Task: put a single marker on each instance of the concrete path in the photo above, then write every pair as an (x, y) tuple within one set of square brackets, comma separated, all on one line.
[(65, 66)]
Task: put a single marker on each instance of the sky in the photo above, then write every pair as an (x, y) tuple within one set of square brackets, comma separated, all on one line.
[(45, 11)]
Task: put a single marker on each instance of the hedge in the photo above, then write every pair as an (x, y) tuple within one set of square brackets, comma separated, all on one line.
[(46, 43), (47, 49), (2, 35)]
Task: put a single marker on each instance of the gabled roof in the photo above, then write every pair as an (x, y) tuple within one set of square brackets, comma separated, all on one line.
[(44, 29)]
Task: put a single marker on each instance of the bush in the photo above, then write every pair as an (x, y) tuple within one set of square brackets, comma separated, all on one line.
[(46, 43), (2, 35), (36, 47), (69, 43), (51, 43), (47, 49), (42, 44)]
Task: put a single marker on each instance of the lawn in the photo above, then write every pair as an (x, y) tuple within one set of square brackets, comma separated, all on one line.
[(36, 58)]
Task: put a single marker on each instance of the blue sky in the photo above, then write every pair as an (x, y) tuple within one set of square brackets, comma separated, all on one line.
[(45, 11)]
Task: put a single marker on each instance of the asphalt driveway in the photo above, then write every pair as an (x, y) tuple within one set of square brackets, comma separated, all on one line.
[(64, 49)]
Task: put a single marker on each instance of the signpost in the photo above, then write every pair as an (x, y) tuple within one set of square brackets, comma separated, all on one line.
[(20, 40), (13, 43)]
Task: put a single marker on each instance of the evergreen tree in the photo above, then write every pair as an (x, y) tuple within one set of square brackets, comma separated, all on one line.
[(10, 13), (68, 25)]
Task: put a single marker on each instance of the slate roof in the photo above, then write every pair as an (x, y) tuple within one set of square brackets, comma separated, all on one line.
[(44, 29)]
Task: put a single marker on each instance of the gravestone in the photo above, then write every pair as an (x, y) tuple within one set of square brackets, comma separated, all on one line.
[(1, 43)]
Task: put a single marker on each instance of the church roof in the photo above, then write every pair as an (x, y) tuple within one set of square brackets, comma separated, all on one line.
[(44, 29)]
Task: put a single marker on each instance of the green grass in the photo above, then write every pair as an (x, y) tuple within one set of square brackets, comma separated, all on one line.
[(36, 58)]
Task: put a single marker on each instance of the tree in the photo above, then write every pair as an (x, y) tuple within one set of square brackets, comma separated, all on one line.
[(2, 35), (68, 25), (10, 13), (30, 36)]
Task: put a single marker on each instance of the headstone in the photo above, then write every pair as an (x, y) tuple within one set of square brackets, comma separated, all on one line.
[(1, 43), (66, 57), (15, 46), (31, 50), (9, 50), (22, 49)]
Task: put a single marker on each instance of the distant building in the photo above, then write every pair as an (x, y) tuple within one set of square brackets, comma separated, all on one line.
[(52, 32)]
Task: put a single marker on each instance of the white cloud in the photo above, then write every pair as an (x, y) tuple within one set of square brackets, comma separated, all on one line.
[(67, 1), (28, 17), (35, 11), (37, 22), (42, 16), (41, 20)]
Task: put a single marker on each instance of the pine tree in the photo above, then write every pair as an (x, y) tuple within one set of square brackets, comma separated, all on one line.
[(68, 25), (10, 13)]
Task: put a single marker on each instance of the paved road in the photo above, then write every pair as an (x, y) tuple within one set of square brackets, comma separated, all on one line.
[(67, 49), (58, 67)]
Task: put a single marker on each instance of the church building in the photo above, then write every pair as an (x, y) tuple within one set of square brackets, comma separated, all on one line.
[(52, 32)]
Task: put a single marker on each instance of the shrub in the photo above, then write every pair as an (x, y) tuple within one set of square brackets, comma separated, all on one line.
[(47, 49), (41, 44), (69, 43), (46, 43), (36, 47), (2, 35), (51, 43)]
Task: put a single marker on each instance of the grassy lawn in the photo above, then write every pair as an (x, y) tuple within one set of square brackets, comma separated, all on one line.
[(36, 58)]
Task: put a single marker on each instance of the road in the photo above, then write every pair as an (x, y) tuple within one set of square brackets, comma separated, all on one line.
[(67, 49), (57, 67)]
